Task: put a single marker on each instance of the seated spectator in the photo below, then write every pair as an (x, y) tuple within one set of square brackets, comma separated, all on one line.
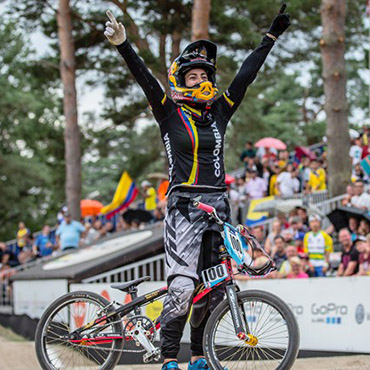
[(363, 228), (353, 225), (296, 269), (285, 269), (361, 199), (346, 201), (288, 235), (278, 251), (149, 194), (287, 182), (69, 232), (257, 231), (44, 244), (256, 186), (8, 258), (349, 260), (298, 232), (317, 177), (364, 259), (318, 245), (307, 266)]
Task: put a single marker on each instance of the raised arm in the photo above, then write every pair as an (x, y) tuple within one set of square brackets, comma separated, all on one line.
[(248, 71), (116, 34)]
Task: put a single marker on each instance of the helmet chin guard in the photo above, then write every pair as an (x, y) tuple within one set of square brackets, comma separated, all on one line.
[(199, 54)]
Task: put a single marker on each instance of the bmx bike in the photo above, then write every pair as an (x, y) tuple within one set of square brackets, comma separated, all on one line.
[(249, 329)]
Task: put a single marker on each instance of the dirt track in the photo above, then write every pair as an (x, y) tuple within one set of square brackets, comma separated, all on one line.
[(16, 354)]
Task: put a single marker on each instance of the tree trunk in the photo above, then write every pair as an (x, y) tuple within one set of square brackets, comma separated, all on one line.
[(333, 13), (200, 19), (72, 133)]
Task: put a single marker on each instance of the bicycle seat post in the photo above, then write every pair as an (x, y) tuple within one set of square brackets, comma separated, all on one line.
[(133, 292)]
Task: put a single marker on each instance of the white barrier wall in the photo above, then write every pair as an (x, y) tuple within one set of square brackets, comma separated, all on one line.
[(333, 313)]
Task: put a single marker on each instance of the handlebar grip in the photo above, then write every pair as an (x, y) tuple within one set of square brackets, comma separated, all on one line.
[(203, 207)]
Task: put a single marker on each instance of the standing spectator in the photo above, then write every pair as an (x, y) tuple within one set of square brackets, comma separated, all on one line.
[(241, 188), (360, 199), (355, 152), (149, 195), (287, 182), (44, 243), (256, 186), (350, 256), (317, 177), (266, 172), (23, 235), (68, 234), (278, 251), (296, 269), (304, 172), (365, 136), (302, 214), (7, 257), (318, 245), (275, 171), (94, 232), (61, 213), (248, 152), (358, 174)]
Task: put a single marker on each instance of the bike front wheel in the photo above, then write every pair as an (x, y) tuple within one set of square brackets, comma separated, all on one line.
[(97, 347), (274, 336)]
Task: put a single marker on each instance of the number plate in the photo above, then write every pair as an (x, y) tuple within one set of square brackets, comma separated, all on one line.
[(214, 275)]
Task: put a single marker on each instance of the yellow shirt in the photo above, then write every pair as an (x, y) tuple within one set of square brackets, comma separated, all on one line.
[(315, 245), (317, 180), (150, 202), (21, 237), (273, 188)]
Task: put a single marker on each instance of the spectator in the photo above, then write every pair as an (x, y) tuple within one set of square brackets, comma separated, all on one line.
[(287, 182), (158, 214), (60, 215), (355, 152), (318, 245), (307, 266), (349, 257), (360, 198), (248, 152), (346, 201), (149, 196), (317, 178), (266, 173), (44, 244), (278, 251), (365, 136), (275, 231), (302, 214), (69, 232), (364, 259), (275, 171), (285, 269), (364, 228), (7, 257), (296, 269), (353, 227), (94, 232), (23, 235), (358, 174), (298, 232), (256, 186), (241, 188), (257, 231), (304, 172)]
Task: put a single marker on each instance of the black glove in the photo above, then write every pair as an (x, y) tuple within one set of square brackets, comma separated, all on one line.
[(280, 23)]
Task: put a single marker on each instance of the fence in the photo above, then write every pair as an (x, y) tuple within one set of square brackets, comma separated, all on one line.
[(153, 267)]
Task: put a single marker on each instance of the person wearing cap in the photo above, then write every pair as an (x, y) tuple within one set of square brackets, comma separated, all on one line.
[(318, 245), (68, 233), (256, 186), (149, 195), (349, 259)]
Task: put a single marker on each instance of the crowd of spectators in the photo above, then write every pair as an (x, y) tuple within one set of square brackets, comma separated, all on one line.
[(297, 244)]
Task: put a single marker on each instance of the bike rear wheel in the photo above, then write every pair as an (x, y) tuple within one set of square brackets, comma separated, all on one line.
[(275, 336), (56, 349)]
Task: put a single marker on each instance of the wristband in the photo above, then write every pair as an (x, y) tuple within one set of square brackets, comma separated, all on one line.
[(271, 36)]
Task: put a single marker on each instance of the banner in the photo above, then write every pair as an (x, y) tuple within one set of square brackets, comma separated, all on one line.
[(255, 217)]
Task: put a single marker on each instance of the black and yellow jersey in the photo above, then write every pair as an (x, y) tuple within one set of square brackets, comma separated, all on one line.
[(194, 138)]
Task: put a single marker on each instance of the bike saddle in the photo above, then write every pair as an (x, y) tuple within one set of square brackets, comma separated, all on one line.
[(130, 285)]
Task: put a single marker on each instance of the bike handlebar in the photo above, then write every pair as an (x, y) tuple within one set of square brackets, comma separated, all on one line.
[(203, 207)]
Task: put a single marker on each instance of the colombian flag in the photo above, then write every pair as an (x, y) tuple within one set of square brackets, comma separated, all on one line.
[(125, 193)]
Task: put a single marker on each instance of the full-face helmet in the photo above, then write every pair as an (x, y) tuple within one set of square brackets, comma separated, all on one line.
[(199, 54)]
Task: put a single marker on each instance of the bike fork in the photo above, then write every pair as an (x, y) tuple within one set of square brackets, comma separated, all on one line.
[(240, 325)]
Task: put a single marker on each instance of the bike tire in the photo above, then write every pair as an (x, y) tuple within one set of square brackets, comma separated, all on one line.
[(51, 355), (219, 356)]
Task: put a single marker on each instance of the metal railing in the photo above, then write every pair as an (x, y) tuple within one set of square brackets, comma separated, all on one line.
[(153, 267)]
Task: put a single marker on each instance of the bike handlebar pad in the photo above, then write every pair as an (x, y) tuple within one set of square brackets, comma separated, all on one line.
[(205, 207)]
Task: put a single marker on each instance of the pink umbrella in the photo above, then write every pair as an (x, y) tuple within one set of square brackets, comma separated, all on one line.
[(270, 142), (229, 179)]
